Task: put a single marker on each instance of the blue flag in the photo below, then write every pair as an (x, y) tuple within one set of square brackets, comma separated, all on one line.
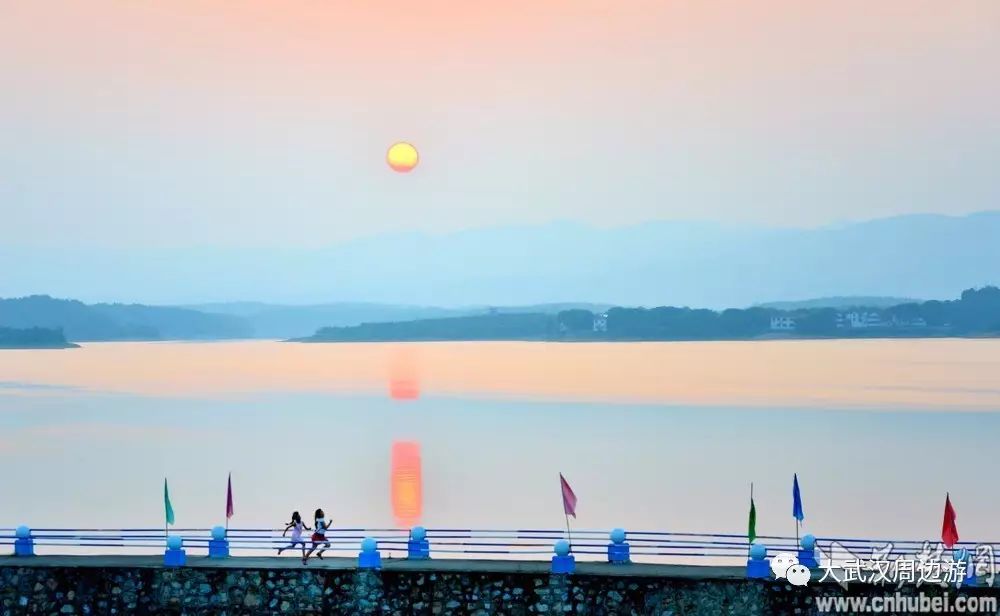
[(797, 500)]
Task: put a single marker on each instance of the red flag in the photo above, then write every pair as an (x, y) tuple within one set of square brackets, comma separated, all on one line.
[(229, 497), (949, 532), (569, 499)]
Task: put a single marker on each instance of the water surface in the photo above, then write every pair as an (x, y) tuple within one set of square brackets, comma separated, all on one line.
[(651, 435)]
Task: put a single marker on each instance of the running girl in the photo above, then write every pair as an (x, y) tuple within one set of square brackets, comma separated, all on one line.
[(318, 537), (296, 526)]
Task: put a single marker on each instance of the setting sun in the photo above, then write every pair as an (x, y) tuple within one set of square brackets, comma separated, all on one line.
[(402, 157)]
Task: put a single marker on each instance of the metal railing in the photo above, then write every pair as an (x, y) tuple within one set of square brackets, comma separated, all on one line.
[(528, 544)]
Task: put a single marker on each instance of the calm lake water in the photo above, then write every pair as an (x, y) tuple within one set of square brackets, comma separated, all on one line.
[(651, 435)]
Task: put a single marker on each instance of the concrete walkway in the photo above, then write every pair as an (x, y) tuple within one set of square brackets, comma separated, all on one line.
[(388, 564)]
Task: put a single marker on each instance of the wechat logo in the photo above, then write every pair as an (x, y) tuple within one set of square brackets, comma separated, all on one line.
[(786, 565)]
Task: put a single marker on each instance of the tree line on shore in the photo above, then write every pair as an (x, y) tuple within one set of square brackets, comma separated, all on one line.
[(41, 321), (32, 337), (976, 312)]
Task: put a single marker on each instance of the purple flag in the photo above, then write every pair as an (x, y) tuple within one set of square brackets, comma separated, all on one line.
[(569, 498)]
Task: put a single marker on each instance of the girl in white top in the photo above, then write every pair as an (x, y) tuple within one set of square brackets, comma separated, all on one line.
[(318, 537), (296, 526)]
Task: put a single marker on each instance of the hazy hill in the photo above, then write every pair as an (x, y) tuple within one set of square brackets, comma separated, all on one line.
[(839, 302), (79, 321), (651, 264), (177, 323), (510, 326), (277, 321), (280, 321), (91, 322)]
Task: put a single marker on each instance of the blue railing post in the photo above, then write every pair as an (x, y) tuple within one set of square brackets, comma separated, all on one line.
[(807, 555), (970, 573), (758, 566), (618, 549), (960, 555), (218, 545), (369, 557), (174, 555), (563, 562), (725, 548), (24, 544), (418, 547)]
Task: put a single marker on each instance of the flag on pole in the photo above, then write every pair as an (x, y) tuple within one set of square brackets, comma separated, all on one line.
[(229, 497), (752, 522), (569, 498), (167, 507), (796, 499), (949, 531)]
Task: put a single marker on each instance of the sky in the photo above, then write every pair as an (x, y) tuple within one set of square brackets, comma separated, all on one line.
[(257, 123)]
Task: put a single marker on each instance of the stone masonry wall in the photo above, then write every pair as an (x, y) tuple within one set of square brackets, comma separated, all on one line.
[(95, 590)]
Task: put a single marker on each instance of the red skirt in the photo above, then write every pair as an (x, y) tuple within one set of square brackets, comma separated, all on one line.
[(318, 538)]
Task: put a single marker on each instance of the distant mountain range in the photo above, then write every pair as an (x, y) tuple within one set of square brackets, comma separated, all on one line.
[(93, 322), (46, 322), (975, 313), (21, 318), (215, 321), (83, 322), (651, 264), (277, 321)]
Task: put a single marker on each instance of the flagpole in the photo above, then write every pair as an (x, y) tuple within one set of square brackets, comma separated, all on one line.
[(797, 507), (562, 488), (568, 533)]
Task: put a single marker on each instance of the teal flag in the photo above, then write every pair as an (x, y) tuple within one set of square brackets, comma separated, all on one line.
[(167, 507)]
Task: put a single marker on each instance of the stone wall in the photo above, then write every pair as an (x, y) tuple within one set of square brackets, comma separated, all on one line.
[(111, 590)]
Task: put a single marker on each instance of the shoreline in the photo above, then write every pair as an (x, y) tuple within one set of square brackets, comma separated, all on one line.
[(560, 340), (584, 340), (39, 347)]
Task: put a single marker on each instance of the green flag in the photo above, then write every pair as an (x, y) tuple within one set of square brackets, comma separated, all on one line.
[(166, 503), (752, 522)]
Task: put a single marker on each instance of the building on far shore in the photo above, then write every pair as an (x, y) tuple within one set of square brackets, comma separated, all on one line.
[(869, 319), (782, 323), (859, 320), (601, 322), (916, 322)]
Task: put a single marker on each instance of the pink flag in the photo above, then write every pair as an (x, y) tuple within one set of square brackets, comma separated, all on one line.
[(569, 499), (229, 497)]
